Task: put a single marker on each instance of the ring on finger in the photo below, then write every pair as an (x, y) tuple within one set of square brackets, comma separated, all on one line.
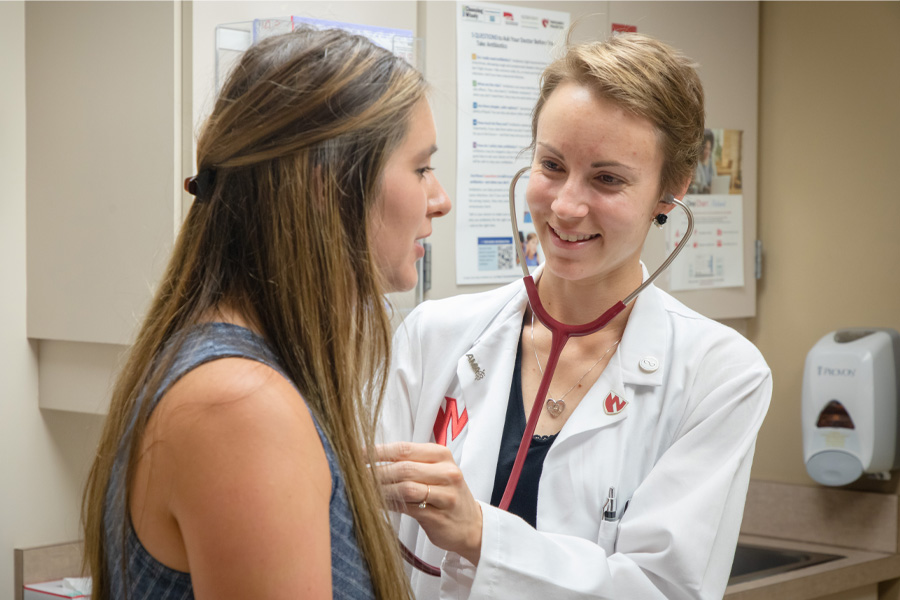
[(424, 503)]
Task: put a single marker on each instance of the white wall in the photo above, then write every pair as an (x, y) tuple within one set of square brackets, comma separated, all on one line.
[(44, 455)]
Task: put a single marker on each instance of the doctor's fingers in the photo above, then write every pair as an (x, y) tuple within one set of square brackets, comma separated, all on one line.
[(400, 451), (442, 473)]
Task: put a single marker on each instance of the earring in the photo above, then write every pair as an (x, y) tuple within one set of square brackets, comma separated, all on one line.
[(660, 220)]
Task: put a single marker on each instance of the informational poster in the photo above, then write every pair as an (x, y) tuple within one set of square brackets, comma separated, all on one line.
[(713, 257), (502, 51)]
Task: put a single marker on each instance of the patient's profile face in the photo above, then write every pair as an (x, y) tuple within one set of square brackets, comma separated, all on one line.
[(410, 197)]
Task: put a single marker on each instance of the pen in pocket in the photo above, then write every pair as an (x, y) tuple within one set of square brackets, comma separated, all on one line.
[(609, 509)]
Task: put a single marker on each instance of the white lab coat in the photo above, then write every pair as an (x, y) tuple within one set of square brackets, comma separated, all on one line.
[(679, 452)]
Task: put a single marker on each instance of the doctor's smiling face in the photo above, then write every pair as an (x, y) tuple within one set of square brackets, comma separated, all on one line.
[(595, 184), (411, 197)]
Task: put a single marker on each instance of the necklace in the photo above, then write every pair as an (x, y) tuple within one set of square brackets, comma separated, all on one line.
[(556, 407)]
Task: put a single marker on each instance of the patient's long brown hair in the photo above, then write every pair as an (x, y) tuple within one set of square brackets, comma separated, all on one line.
[(298, 141)]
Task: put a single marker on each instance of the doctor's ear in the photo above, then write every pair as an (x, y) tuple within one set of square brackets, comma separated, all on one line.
[(663, 207), (665, 204), (679, 192)]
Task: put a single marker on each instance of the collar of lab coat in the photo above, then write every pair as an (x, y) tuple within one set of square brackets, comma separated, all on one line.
[(646, 334), (646, 337), (494, 351), (485, 399)]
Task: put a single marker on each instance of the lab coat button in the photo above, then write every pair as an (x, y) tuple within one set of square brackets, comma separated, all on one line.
[(649, 364)]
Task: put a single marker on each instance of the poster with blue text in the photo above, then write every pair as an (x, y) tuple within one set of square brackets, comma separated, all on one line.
[(501, 52)]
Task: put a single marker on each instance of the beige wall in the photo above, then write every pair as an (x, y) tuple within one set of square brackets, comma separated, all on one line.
[(44, 455), (829, 205)]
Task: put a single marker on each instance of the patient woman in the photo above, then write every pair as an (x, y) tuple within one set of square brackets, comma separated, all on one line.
[(634, 484), (234, 459)]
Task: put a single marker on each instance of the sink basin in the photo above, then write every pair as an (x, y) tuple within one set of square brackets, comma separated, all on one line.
[(755, 562)]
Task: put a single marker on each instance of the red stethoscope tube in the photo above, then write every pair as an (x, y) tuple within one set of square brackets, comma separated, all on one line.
[(560, 334), (410, 557)]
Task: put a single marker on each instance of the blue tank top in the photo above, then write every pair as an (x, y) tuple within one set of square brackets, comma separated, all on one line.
[(143, 576)]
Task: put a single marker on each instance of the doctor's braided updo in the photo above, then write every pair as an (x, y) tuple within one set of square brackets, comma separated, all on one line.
[(644, 77)]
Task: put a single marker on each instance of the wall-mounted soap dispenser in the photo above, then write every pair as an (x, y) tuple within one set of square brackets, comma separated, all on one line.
[(851, 421)]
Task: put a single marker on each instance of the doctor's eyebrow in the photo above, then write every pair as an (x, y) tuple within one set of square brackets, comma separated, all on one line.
[(594, 165)]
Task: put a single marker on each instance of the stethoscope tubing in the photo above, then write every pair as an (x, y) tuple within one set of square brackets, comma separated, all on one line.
[(560, 334)]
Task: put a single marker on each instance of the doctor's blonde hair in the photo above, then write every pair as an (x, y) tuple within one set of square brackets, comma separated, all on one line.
[(298, 140), (644, 77)]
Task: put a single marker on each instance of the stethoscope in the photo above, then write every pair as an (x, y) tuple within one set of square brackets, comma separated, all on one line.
[(560, 334)]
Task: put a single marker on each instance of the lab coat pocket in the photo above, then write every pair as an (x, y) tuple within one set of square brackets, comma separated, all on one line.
[(609, 530)]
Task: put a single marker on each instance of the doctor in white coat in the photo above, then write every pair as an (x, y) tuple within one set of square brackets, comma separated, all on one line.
[(659, 409)]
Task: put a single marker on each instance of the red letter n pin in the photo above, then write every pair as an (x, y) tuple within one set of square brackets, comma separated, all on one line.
[(614, 404)]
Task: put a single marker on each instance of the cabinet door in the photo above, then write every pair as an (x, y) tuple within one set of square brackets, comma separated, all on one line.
[(104, 134)]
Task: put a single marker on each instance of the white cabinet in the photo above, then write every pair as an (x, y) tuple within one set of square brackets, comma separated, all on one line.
[(105, 136), (104, 144)]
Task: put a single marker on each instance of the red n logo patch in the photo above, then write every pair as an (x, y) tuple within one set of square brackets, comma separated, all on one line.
[(449, 419), (613, 404)]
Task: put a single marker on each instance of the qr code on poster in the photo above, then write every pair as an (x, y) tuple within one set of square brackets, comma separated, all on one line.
[(504, 257)]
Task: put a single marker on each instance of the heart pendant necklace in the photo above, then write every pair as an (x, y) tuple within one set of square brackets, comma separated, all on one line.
[(557, 407)]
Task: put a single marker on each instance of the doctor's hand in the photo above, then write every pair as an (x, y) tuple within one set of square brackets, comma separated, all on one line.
[(423, 481)]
